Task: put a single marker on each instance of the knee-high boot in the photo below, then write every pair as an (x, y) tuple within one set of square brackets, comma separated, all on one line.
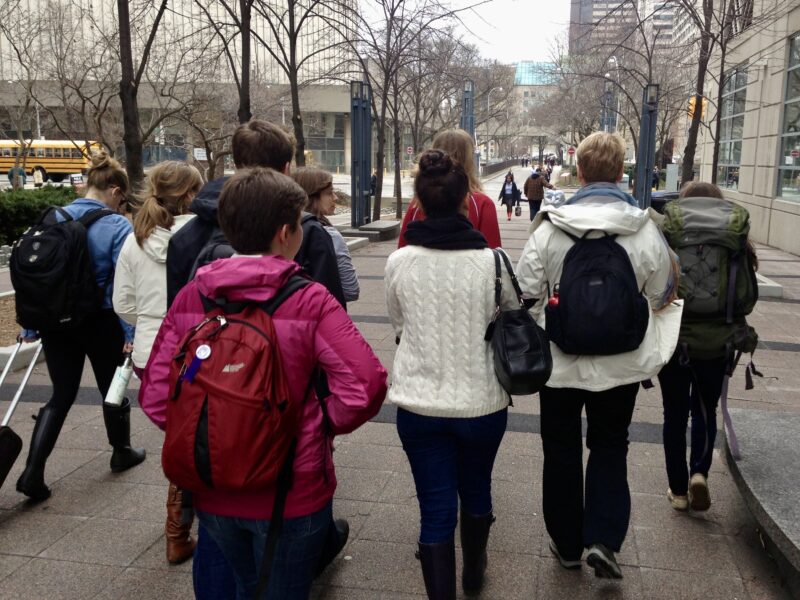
[(474, 537), (439, 570), (45, 433), (180, 545), (118, 428)]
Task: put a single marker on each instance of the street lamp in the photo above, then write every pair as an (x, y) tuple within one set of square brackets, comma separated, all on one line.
[(619, 88), (488, 112)]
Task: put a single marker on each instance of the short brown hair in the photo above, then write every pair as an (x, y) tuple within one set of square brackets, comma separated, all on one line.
[(254, 204), (167, 191), (601, 157), (700, 189), (260, 143), (441, 184), (314, 181)]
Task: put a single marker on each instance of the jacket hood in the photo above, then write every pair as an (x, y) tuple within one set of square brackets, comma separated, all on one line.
[(612, 216), (205, 203), (245, 277), (535, 175), (156, 244)]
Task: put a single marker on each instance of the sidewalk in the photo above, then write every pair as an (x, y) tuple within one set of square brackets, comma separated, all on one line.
[(100, 535)]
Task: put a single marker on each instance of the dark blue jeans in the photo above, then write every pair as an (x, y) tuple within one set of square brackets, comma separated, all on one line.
[(690, 389), (296, 557), (212, 575), (450, 458), (575, 519), (534, 205)]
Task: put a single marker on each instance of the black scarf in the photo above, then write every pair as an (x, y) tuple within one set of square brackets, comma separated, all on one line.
[(445, 233)]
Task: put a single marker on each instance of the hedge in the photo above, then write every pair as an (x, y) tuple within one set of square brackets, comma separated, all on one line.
[(19, 209)]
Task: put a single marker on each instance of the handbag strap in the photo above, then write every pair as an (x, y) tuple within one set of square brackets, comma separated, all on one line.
[(498, 282)]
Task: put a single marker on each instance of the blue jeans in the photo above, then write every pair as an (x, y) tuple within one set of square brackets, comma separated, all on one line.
[(691, 389), (211, 574), (450, 458), (296, 557)]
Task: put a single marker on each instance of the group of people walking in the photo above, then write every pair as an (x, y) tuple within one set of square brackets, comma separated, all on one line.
[(207, 255)]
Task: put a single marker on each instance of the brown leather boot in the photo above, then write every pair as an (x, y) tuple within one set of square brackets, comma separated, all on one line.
[(180, 545)]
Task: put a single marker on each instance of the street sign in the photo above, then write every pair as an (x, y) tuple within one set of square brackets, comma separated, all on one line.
[(410, 150), (795, 153), (200, 154), (571, 151)]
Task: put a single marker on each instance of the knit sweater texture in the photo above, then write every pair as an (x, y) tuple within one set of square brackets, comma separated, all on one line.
[(440, 303)]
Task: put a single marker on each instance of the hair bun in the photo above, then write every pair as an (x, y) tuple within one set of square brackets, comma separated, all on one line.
[(435, 162), (100, 160)]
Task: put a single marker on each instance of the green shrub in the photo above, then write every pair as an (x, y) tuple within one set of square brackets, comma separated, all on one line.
[(19, 209)]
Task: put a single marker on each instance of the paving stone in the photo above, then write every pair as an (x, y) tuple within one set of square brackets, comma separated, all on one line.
[(375, 434), (10, 563), (654, 510), (28, 532), (400, 489), (516, 497), (42, 579), (360, 456), (555, 582), (392, 523), (698, 553), (518, 534), (149, 472), (135, 584), (356, 513), (106, 542), (360, 484), (155, 557), (659, 584), (143, 503), (83, 497), (338, 593)]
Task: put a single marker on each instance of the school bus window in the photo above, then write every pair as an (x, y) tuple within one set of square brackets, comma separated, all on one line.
[(6, 152), (40, 152), (48, 152), (77, 153), (56, 152)]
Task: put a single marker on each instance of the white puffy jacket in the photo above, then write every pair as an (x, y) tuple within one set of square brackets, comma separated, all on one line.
[(140, 286), (440, 303), (540, 267)]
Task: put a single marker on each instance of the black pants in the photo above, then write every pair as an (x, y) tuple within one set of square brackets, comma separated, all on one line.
[(691, 389), (101, 339), (575, 519), (534, 205)]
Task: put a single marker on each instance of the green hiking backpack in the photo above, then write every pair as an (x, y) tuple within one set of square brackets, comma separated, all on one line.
[(718, 278)]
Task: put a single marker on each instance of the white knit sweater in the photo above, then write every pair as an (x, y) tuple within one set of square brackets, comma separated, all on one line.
[(440, 303)]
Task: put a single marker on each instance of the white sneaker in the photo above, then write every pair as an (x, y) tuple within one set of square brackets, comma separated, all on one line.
[(677, 502), (699, 497)]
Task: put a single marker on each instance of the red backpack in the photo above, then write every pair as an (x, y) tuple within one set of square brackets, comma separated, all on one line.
[(231, 422)]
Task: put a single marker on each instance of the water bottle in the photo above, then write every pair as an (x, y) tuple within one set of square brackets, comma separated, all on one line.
[(119, 384)]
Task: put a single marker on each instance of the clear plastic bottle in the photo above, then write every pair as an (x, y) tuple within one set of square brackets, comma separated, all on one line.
[(119, 384)]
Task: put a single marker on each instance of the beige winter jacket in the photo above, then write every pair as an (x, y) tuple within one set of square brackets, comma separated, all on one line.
[(540, 267)]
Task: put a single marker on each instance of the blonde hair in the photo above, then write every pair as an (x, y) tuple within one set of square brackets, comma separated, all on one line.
[(601, 157), (166, 195), (314, 181), (461, 147), (106, 172)]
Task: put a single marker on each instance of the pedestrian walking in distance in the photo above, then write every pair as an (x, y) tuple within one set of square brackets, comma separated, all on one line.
[(452, 410), (607, 281), (509, 194), (140, 295), (534, 191)]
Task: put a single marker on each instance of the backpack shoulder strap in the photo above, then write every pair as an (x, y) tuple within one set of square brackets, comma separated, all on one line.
[(94, 215), (295, 283)]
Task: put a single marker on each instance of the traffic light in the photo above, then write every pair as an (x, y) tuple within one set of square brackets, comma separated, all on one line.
[(692, 103)]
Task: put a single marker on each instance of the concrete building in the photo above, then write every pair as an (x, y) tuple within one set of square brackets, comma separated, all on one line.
[(598, 21), (759, 155)]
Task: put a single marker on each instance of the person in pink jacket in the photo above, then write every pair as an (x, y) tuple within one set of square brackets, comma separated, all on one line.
[(259, 213)]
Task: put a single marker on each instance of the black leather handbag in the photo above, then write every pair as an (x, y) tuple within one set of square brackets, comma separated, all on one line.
[(522, 359)]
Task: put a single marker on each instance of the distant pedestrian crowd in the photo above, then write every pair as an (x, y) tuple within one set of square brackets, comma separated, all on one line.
[(230, 297)]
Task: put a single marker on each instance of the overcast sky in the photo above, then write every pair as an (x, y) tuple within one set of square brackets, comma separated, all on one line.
[(515, 30)]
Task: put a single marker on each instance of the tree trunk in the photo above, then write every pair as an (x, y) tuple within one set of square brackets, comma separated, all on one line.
[(297, 117), (687, 166), (127, 94), (718, 117), (398, 191), (244, 114)]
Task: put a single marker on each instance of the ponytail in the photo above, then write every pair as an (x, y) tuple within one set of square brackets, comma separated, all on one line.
[(168, 188)]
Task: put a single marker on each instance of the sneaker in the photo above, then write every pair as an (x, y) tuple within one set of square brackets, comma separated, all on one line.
[(699, 498), (602, 560), (677, 502), (567, 564)]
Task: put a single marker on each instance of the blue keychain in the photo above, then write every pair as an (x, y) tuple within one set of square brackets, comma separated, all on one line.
[(201, 354)]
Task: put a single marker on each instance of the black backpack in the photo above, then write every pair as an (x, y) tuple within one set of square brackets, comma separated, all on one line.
[(597, 308), (216, 247), (52, 272)]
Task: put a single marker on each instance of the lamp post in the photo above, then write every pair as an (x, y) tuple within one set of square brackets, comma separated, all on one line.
[(617, 94), (647, 144), (488, 113), (468, 116)]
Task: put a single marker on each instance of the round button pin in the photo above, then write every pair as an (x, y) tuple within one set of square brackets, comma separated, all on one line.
[(203, 352)]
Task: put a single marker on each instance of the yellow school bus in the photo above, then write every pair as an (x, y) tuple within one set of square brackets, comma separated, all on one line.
[(54, 158)]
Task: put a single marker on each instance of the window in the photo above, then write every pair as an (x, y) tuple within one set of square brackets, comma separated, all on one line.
[(734, 94), (789, 158)]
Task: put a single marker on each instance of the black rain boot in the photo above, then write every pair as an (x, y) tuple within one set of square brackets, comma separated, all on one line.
[(45, 433), (439, 570), (474, 536), (338, 532), (118, 428)]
